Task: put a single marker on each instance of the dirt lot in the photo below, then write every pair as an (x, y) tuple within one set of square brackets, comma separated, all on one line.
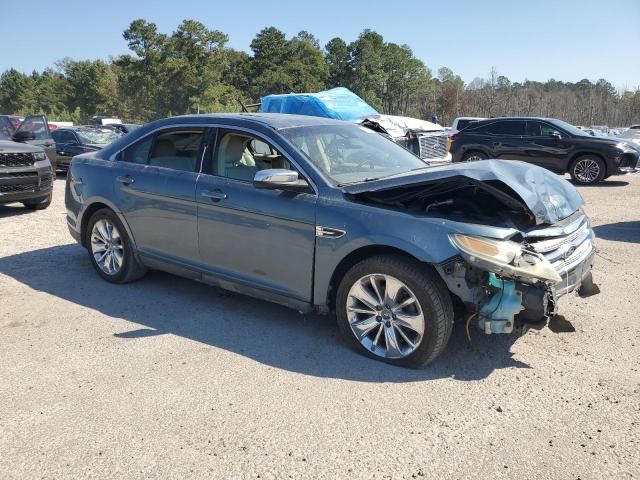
[(167, 378)]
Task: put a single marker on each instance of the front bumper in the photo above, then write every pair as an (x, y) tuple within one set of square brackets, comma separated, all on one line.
[(627, 163), (19, 184)]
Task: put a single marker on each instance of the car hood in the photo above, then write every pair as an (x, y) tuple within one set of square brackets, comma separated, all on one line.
[(7, 146), (547, 197)]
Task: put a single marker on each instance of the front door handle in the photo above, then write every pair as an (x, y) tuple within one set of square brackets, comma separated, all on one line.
[(216, 195), (125, 179)]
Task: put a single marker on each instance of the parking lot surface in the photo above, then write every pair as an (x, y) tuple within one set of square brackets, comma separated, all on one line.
[(169, 378)]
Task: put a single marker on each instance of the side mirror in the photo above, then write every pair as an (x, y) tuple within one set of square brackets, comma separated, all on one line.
[(279, 179), (23, 136), (556, 135)]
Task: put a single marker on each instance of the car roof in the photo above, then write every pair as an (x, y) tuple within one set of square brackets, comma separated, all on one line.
[(277, 121), (520, 118)]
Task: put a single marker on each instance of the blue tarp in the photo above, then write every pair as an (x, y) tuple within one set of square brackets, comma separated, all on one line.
[(339, 103)]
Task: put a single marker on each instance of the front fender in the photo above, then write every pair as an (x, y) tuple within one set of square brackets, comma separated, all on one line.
[(424, 238)]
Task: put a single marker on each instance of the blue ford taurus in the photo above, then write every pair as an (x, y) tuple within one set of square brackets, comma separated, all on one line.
[(324, 215)]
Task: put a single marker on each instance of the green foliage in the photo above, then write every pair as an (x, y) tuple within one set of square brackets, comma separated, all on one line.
[(192, 70)]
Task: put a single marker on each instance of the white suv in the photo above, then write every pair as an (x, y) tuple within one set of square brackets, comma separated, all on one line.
[(462, 122)]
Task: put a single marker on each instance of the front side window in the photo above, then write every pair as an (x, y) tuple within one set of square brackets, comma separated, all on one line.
[(539, 129), (37, 126), (240, 156), (63, 136), (176, 149), (349, 153)]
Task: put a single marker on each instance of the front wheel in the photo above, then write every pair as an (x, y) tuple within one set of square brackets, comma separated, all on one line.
[(394, 309), (587, 170)]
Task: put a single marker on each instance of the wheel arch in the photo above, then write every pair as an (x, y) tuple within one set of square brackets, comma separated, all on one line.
[(357, 256), (93, 207), (585, 153)]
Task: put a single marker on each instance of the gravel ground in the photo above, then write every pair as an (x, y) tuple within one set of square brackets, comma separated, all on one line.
[(168, 378)]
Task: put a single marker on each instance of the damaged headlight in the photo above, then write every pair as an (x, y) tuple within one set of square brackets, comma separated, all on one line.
[(505, 258)]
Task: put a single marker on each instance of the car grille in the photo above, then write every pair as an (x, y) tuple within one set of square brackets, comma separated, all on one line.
[(569, 247), (45, 183), (432, 145), (16, 159), (25, 187)]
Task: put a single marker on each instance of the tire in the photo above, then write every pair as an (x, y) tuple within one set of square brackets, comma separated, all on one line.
[(106, 237), (40, 204), (587, 170), (474, 156), (389, 337)]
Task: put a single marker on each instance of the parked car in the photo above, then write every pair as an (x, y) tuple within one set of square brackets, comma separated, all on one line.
[(463, 122), (547, 142), (427, 140), (25, 174), (635, 127), (326, 215), (34, 130), (71, 141)]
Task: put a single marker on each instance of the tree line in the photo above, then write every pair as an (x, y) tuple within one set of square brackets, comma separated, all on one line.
[(192, 70)]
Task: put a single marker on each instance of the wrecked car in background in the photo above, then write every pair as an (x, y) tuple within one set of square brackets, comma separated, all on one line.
[(425, 139), (325, 215)]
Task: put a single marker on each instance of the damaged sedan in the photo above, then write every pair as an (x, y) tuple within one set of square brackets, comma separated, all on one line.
[(324, 215)]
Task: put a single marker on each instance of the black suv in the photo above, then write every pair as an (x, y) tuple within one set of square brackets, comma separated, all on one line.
[(547, 142), (72, 141), (26, 172)]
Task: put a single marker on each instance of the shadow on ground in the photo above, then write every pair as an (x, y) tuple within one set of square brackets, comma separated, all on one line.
[(619, 232), (164, 304), (606, 183), (13, 209)]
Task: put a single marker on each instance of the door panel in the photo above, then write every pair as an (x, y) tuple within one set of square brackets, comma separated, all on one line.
[(505, 139), (159, 205), (264, 238), (154, 184), (544, 150)]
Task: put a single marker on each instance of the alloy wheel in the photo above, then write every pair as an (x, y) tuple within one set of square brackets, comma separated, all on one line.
[(473, 158), (106, 246), (385, 316), (587, 170)]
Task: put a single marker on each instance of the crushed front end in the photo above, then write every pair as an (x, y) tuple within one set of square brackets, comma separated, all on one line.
[(514, 285)]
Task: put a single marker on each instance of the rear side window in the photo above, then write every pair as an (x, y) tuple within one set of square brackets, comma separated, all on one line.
[(138, 152), (175, 149), (512, 127), (463, 124)]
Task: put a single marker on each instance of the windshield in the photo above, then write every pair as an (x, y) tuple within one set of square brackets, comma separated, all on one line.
[(97, 137), (352, 154), (570, 128), (6, 128)]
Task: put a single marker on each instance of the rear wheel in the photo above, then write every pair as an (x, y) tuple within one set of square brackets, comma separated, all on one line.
[(393, 309), (587, 170), (474, 157), (39, 204), (110, 249)]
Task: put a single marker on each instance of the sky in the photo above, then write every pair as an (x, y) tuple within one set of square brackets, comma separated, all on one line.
[(567, 40)]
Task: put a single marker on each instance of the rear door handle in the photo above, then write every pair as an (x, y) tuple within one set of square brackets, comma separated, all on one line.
[(125, 179), (216, 195)]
